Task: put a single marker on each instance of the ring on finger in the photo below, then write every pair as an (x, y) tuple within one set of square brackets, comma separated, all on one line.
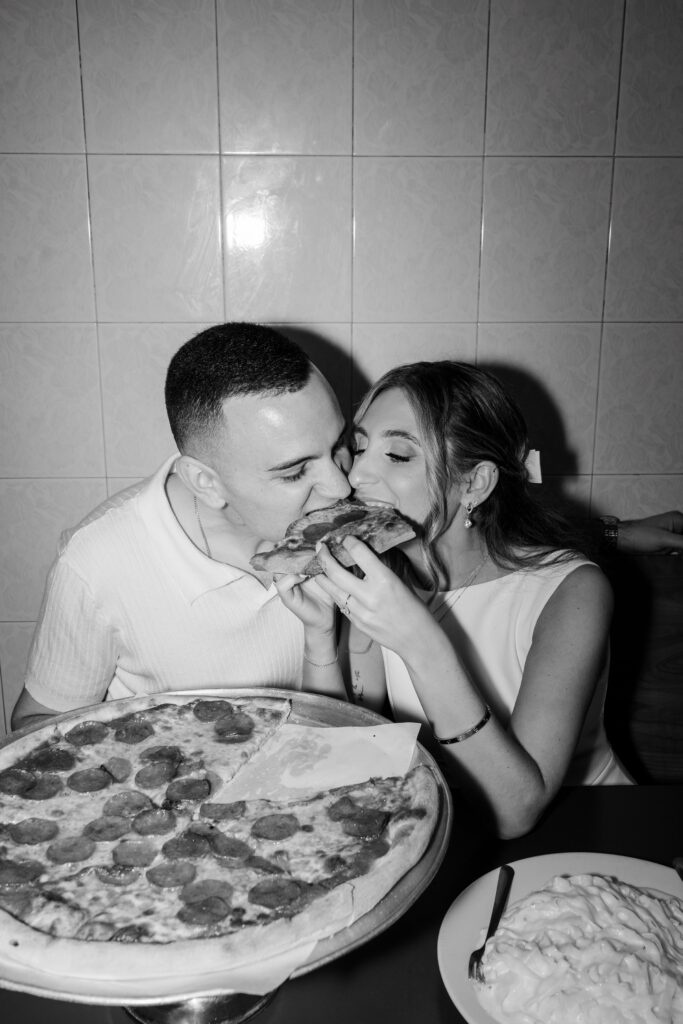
[(345, 607)]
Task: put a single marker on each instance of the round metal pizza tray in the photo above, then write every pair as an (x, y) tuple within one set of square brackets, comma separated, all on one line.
[(307, 709)]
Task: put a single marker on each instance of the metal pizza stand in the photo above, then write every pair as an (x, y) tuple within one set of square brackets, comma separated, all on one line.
[(201, 999)]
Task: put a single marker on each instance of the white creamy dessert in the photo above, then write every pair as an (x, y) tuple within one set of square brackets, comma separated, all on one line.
[(586, 949)]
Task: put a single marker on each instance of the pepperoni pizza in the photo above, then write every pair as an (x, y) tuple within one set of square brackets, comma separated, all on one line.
[(121, 853), (379, 526)]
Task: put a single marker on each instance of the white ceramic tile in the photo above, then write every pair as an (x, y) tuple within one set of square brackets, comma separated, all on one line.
[(329, 347), (45, 264), (640, 412), (552, 371), (149, 76), (120, 483), (33, 514), (650, 121), (419, 77), (417, 232), (15, 640), (645, 266), (285, 76), (631, 497), (137, 435), (287, 238), (50, 413), (545, 238), (40, 81), (379, 347), (553, 77), (156, 223), (569, 494)]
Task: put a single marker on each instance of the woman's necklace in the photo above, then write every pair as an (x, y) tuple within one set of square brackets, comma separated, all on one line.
[(207, 549), (457, 594)]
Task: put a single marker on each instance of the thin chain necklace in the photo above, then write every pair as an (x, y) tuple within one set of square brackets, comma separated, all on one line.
[(448, 604), (207, 549)]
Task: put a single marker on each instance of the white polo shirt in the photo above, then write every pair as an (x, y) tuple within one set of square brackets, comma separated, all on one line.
[(133, 607)]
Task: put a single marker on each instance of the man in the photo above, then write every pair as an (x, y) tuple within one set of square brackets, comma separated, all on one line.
[(153, 590)]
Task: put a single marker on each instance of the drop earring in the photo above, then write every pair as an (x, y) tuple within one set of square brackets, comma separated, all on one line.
[(468, 515)]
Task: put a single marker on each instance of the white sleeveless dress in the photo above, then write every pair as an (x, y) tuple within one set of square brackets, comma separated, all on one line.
[(491, 625)]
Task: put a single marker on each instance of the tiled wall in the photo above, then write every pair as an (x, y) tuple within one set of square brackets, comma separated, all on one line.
[(392, 179)]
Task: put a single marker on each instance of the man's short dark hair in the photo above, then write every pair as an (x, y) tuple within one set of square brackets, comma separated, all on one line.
[(222, 362)]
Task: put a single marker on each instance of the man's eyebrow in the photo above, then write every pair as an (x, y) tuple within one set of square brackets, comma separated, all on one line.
[(305, 458)]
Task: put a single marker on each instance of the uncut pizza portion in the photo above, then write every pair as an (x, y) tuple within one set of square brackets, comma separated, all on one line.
[(119, 842)]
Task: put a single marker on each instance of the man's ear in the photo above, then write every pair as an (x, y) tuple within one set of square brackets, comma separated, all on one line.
[(480, 483), (201, 480)]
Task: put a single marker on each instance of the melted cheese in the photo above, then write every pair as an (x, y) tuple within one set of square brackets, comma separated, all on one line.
[(587, 950)]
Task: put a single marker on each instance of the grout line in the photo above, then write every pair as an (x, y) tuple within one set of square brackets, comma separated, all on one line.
[(608, 245), (481, 190), (221, 210)]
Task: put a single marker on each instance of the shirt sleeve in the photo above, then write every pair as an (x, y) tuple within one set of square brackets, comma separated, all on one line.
[(72, 659)]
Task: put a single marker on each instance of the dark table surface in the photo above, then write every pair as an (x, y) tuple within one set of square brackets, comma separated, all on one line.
[(395, 977)]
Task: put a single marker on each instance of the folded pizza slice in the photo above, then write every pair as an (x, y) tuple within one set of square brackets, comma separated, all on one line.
[(379, 526)]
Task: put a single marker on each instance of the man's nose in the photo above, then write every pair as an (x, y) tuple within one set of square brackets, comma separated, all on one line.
[(335, 484)]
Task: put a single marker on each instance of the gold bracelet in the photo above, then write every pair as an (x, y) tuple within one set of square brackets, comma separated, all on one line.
[(468, 732), (317, 664)]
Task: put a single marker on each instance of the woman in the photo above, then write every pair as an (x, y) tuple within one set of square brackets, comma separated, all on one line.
[(494, 630)]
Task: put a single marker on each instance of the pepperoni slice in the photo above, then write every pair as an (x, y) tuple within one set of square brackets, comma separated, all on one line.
[(155, 822), (223, 812), (127, 804), (189, 844), (275, 892), (89, 780), (131, 933), (156, 774), (210, 710), (107, 829), (135, 730), (19, 872), (46, 786), (116, 874), (49, 758), (188, 789), (205, 912), (172, 754), (367, 824), (134, 853), (70, 849), (206, 888), (344, 807), (275, 826), (33, 830), (235, 728), (86, 734), (172, 874), (16, 781), (227, 848), (313, 533)]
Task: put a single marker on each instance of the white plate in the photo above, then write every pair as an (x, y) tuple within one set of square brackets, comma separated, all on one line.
[(462, 926)]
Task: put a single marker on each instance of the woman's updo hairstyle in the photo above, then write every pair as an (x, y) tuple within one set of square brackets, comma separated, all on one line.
[(465, 417)]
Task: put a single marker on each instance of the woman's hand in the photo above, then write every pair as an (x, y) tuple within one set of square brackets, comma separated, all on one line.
[(379, 605)]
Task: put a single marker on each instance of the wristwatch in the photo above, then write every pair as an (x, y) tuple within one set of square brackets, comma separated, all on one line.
[(610, 531)]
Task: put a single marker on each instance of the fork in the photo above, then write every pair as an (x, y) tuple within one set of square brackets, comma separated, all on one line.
[(505, 877)]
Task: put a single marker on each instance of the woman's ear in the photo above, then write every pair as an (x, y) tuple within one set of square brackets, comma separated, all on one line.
[(201, 480), (480, 483)]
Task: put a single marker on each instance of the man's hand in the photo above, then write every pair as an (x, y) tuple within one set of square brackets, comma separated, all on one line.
[(308, 601), (656, 535)]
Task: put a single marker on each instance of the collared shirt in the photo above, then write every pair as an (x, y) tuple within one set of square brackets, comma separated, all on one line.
[(133, 607)]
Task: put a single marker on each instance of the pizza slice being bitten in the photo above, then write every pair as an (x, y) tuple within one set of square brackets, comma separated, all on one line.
[(379, 526)]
